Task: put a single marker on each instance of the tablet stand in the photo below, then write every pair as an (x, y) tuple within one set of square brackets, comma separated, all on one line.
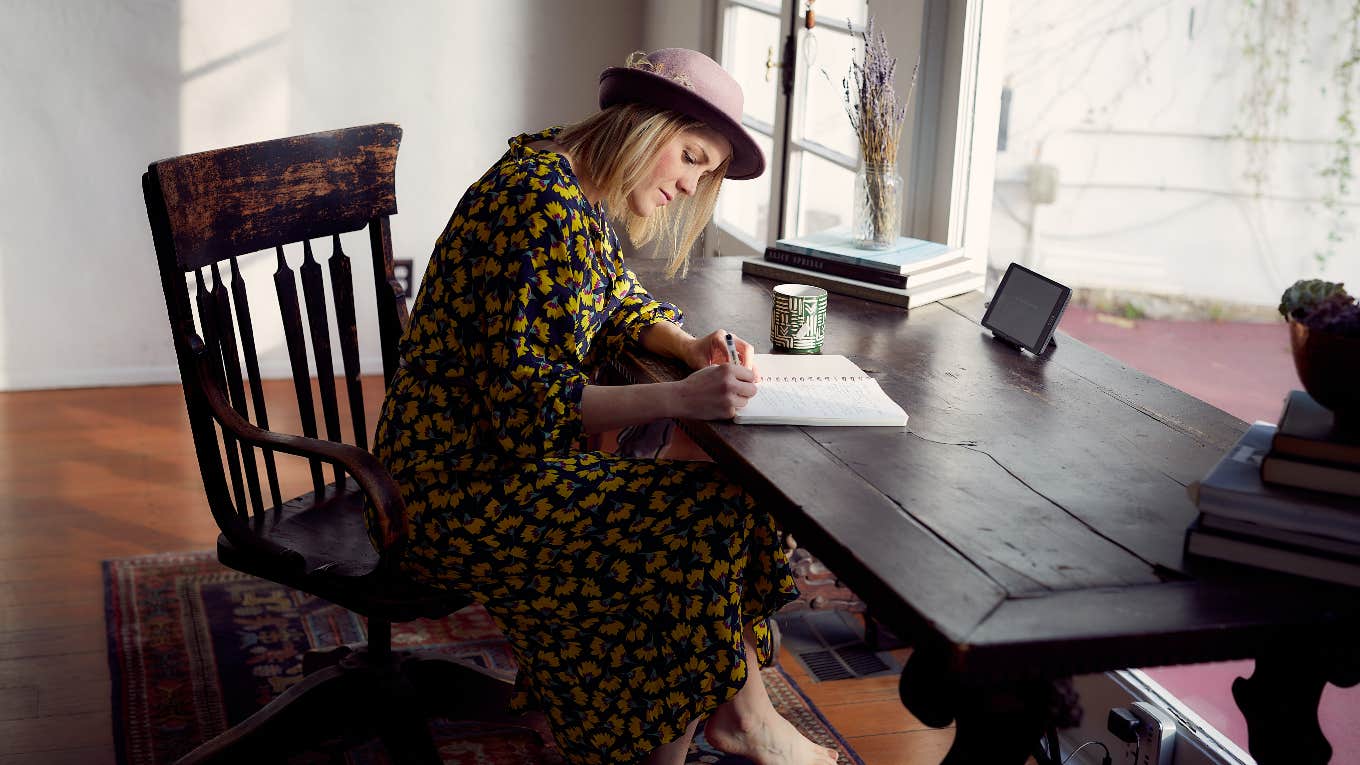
[(1006, 341), (1052, 341)]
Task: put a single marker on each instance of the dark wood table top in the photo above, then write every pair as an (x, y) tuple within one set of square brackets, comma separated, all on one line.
[(1031, 514)]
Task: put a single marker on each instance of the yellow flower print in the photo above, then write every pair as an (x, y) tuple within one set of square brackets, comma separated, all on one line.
[(575, 552), (555, 210), (536, 225)]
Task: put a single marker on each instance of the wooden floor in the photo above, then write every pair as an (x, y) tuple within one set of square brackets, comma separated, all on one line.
[(91, 474)]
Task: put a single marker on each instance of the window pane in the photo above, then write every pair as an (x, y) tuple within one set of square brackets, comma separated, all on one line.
[(749, 37), (824, 119), (1129, 171), (825, 192), (834, 13), (745, 205)]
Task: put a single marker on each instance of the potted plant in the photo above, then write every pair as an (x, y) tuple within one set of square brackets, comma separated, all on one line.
[(876, 114), (1324, 334)]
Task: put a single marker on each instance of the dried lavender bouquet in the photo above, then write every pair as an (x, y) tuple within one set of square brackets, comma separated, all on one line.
[(877, 117)]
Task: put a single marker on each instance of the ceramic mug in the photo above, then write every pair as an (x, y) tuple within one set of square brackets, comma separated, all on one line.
[(798, 319)]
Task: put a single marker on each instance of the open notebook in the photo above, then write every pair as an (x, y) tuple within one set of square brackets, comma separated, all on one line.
[(817, 390)]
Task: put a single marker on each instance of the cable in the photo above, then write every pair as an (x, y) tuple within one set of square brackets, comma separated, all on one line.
[(1105, 761)]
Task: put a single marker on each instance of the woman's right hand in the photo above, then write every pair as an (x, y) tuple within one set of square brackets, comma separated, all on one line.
[(715, 392)]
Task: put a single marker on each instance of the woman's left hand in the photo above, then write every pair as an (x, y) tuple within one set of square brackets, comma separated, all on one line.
[(712, 349)]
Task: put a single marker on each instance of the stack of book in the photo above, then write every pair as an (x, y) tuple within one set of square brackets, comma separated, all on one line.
[(911, 273), (1285, 498)]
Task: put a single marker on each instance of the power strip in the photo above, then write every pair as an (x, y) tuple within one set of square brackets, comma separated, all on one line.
[(1156, 741)]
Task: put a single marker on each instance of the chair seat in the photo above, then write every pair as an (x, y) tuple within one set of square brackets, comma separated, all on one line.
[(329, 555)]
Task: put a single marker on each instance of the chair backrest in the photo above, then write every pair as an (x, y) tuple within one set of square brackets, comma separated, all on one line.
[(210, 213)]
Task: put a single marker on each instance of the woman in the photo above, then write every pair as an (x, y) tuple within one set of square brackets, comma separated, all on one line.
[(635, 592)]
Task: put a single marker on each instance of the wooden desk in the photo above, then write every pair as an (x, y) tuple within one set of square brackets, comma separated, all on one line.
[(1026, 525)]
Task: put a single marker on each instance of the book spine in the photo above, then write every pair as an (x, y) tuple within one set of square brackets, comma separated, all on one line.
[(1254, 508), (1310, 475), (1298, 539), (851, 260), (830, 283), (1346, 454), (1200, 542), (837, 267)]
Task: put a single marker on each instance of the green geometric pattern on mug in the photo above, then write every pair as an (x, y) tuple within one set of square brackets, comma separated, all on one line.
[(798, 323)]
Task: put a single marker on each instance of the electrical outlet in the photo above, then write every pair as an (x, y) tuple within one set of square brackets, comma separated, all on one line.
[(1043, 183), (1156, 736), (403, 272)]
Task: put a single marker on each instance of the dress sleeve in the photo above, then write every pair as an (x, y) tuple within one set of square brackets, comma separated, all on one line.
[(530, 287), (638, 310)]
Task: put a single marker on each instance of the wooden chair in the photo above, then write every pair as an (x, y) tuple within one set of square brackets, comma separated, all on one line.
[(207, 212)]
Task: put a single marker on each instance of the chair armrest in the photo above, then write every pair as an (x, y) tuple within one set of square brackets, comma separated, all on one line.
[(371, 475)]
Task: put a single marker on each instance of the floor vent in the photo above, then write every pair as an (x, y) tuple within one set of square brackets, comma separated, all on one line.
[(830, 645), (824, 665)]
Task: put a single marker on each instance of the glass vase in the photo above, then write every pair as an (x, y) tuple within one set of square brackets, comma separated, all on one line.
[(877, 217)]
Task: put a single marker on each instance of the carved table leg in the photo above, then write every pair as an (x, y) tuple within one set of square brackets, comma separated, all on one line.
[(998, 723), (1280, 699)]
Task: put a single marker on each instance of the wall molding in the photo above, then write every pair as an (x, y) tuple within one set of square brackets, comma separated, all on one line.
[(119, 377)]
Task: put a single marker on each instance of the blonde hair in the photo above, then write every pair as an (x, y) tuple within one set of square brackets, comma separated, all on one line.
[(613, 150)]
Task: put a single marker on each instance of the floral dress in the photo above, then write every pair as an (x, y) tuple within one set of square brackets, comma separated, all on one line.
[(622, 584)]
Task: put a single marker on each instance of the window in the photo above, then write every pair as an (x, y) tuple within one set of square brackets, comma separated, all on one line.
[(1117, 167), (1129, 165), (792, 79), (751, 35), (793, 82)]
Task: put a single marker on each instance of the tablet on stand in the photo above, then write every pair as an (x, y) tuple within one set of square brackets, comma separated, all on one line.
[(1026, 309)]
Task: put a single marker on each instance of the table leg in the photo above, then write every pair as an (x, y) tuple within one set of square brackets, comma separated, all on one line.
[(999, 723), (1280, 699)]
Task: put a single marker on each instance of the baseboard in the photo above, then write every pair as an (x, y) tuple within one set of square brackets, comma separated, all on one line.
[(53, 379), (117, 377)]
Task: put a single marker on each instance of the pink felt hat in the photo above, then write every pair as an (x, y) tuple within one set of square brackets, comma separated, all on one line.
[(690, 83)]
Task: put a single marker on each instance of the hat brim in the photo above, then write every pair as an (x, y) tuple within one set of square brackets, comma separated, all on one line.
[(623, 85)]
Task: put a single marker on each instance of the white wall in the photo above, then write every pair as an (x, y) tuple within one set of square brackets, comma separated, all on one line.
[(679, 24), (94, 91), (1139, 107)]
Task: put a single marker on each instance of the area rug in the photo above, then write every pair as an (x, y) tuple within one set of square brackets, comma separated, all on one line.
[(195, 647)]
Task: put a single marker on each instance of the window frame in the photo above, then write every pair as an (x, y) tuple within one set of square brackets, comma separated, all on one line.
[(720, 239), (949, 139), (948, 160)]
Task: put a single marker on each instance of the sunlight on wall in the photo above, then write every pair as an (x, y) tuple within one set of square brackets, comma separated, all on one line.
[(266, 70), (1136, 112), (234, 62), (235, 88), (137, 82)]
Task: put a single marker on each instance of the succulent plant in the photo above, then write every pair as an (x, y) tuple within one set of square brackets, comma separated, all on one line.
[(1338, 314), (1305, 295)]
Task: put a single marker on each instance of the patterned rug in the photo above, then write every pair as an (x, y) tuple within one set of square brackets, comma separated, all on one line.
[(195, 647)]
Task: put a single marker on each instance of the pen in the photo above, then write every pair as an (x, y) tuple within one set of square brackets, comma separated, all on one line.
[(732, 350)]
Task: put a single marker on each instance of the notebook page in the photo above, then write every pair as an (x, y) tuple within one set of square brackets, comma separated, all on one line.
[(827, 401), (771, 365)]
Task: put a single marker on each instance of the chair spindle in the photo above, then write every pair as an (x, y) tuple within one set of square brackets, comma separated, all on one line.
[(391, 296), (342, 282), (236, 392), (207, 317), (314, 294), (247, 330), (285, 286)]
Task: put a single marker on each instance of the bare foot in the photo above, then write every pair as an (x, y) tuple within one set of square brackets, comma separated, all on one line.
[(766, 739)]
